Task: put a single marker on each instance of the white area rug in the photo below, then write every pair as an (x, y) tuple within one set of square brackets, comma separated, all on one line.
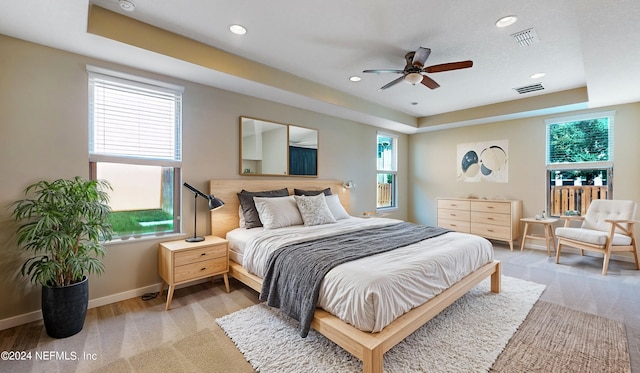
[(468, 336)]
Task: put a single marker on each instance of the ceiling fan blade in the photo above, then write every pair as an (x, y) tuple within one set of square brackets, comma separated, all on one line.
[(379, 71), (391, 83), (428, 82), (448, 66), (420, 57)]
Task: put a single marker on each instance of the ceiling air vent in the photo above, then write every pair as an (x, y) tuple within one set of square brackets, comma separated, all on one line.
[(529, 88), (526, 37)]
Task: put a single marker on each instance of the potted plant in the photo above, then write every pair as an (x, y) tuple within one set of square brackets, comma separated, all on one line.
[(62, 225)]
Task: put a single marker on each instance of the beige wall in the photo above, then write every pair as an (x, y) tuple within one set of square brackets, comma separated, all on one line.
[(433, 164), (43, 135)]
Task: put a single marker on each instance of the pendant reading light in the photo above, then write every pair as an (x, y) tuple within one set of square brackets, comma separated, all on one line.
[(214, 204)]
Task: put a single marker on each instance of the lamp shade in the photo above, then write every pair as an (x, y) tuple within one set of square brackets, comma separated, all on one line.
[(215, 203)]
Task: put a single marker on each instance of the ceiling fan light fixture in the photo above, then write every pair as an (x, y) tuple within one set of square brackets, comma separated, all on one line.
[(413, 78), (127, 5), (506, 21)]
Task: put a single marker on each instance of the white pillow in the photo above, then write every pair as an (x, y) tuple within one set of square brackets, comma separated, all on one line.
[(277, 212), (314, 210), (336, 208)]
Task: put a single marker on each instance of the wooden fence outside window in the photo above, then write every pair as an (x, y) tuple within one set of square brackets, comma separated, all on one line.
[(384, 194), (576, 198)]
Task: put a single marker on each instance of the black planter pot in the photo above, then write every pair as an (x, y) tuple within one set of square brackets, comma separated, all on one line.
[(65, 308)]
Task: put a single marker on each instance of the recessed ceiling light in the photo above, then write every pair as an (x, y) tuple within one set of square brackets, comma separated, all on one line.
[(127, 5), (537, 75), (506, 21), (238, 29), (355, 78)]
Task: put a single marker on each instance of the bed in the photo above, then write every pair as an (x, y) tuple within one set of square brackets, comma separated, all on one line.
[(366, 342)]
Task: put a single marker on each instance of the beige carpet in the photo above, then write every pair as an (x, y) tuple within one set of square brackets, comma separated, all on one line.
[(554, 338), (468, 336)]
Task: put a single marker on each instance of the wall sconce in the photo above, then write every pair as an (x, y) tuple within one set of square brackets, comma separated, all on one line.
[(214, 204), (349, 185)]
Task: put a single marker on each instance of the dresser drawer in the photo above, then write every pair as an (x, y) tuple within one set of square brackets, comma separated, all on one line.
[(455, 225), (498, 232), (200, 254), (499, 207), (450, 214), (453, 204), (200, 269), (490, 218)]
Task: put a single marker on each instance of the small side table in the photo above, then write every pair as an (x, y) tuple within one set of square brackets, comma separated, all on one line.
[(180, 262), (547, 227)]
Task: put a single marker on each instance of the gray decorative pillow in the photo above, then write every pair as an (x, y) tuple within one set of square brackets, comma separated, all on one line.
[(302, 192), (251, 217), (314, 210)]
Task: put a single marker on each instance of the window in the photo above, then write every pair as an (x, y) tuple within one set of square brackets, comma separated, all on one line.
[(135, 144), (387, 170), (579, 162)]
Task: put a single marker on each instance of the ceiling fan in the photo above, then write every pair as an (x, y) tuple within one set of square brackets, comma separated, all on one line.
[(414, 70)]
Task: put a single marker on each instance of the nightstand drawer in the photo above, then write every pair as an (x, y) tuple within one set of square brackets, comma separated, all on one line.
[(200, 254), (200, 269)]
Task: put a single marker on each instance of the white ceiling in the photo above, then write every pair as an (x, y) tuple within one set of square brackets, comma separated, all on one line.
[(592, 43)]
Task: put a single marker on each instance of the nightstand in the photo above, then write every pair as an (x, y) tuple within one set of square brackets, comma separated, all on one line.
[(180, 262)]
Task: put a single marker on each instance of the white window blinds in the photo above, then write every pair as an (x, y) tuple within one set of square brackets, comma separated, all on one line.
[(132, 117), (586, 139)]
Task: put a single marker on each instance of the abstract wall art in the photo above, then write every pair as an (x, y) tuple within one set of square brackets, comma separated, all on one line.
[(483, 161)]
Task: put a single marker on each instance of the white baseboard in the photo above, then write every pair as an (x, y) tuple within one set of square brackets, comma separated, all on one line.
[(93, 303)]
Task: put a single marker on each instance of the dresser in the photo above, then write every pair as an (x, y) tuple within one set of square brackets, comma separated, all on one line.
[(180, 262), (492, 219)]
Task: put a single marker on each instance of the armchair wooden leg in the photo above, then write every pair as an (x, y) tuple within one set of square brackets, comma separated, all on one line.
[(605, 265), (635, 256), (558, 252)]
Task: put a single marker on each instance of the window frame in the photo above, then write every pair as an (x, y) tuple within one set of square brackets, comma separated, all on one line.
[(393, 170), (175, 162), (607, 166)]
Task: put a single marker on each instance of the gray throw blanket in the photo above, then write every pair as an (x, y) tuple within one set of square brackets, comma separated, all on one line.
[(295, 272)]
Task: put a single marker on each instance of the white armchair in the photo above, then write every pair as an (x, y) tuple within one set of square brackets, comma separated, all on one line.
[(608, 226)]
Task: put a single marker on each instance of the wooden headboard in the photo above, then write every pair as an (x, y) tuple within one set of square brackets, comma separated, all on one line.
[(226, 218)]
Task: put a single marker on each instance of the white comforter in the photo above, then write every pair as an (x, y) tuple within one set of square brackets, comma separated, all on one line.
[(370, 293)]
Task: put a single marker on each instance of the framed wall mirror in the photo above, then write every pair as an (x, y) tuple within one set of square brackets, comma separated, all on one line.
[(276, 149), (303, 151)]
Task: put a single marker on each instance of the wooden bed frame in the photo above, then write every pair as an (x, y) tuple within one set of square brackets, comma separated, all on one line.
[(368, 347)]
